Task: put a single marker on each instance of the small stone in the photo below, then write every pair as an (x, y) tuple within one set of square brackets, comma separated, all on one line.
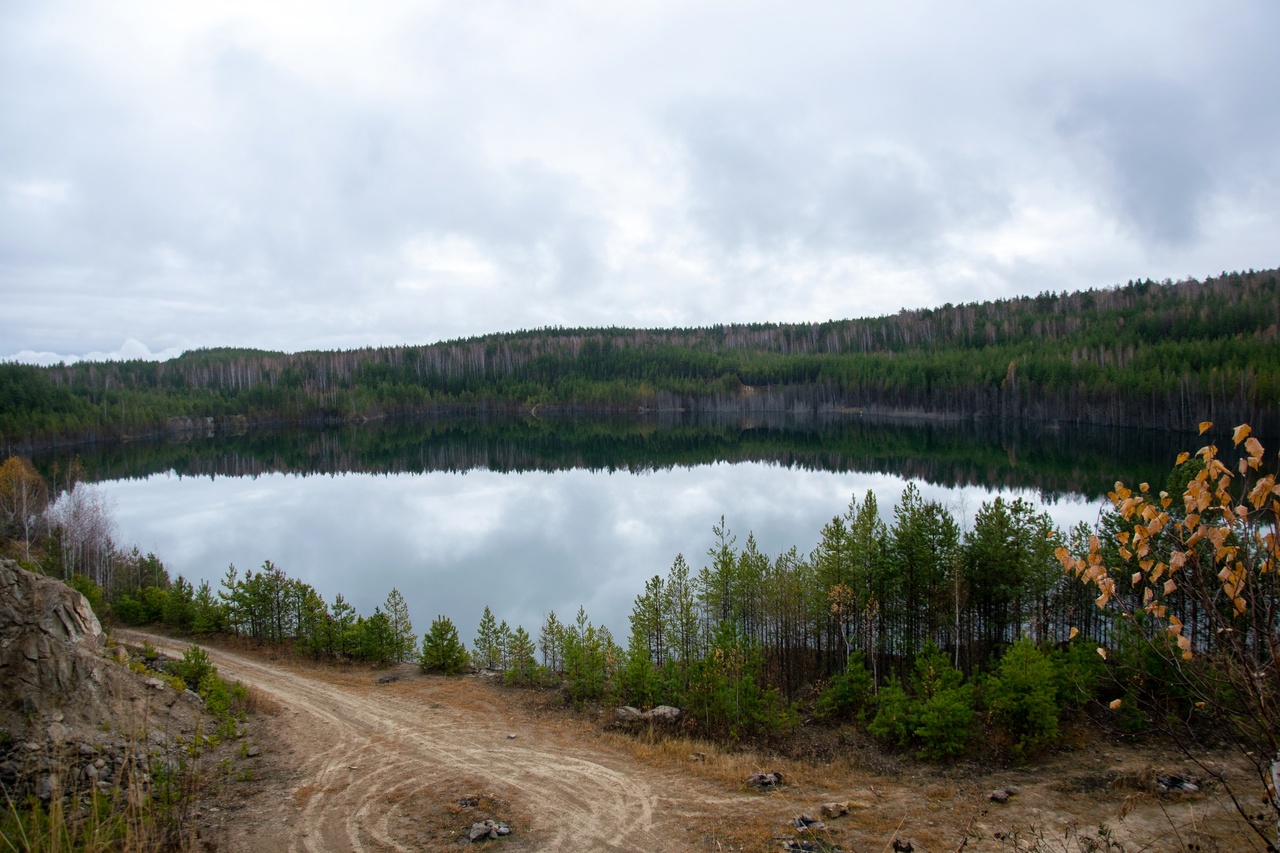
[(834, 810), (253, 751), (1000, 796)]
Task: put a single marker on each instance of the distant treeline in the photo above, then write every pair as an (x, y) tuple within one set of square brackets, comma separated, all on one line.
[(1018, 455), (1145, 354)]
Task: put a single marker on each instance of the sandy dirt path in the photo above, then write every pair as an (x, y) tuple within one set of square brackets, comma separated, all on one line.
[(366, 763)]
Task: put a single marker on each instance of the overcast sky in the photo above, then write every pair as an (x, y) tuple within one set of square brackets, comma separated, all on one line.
[(320, 175)]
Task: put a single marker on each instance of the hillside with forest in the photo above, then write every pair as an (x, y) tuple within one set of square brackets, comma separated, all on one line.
[(1146, 354)]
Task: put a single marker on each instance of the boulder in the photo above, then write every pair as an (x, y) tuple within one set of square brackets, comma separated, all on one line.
[(664, 714), (56, 680), (50, 647), (627, 714)]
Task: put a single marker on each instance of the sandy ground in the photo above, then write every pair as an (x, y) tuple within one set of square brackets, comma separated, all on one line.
[(348, 763)]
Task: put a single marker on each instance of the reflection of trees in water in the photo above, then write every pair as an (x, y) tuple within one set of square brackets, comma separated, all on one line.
[(967, 453)]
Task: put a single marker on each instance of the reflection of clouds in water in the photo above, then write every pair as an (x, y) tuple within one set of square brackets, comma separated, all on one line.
[(524, 544)]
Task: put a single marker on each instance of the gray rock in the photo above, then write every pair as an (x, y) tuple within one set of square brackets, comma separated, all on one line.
[(627, 714), (50, 643), (764, 780), (664, 714), (487, 829)]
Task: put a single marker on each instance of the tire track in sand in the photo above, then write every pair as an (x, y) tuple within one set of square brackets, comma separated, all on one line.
[(366, 756)]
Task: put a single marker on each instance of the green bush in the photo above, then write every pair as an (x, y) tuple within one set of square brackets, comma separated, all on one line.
[(1022, 697), (847, 693), (1078, 669), (893, 718), (936, 715), (442, 651), (193, 667), (944, 723)]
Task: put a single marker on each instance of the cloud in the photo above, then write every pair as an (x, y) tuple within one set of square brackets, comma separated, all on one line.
[(291, 177), (762, 178), (1149, 142), (130, 350)]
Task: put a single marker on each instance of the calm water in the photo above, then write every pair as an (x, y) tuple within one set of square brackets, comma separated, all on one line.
[(480, 529)]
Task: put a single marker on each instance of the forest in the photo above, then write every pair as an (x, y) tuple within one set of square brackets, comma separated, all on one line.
[(898, 621), (1157, 355), (1052, 461)]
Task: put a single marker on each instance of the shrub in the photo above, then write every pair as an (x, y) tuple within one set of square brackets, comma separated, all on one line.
[(943, 723), (442, 651), (847, 693), (193, 667), (892, 720), (1022, 697)]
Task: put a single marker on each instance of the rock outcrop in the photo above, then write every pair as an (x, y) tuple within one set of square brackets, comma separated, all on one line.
[(54, 675)]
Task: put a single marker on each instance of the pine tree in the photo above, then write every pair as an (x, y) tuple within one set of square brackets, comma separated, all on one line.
[(402, 635), (522, 668), (485, 652), (442, 651)]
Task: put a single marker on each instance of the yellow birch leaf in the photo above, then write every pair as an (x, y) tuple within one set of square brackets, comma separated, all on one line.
[(1182, 457), (1186, 655), (1115, 704), (1169, 586), (1240, 434), (1254, 448), (1144, 487), (1261, 490), (1102, 652), (1205, 426), (1075, 632)]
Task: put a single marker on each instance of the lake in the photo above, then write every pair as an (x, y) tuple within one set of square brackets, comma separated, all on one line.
[(533, 516)]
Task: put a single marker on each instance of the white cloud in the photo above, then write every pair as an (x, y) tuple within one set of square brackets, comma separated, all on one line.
[(296, 176)]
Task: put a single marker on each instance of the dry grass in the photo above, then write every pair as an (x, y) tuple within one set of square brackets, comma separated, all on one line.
[(259, 701)]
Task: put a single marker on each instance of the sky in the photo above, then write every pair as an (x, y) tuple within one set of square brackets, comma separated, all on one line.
[(326, 175)]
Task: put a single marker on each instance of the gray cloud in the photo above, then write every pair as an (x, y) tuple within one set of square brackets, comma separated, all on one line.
[(1151, 143), (246, 175), (762, 178)]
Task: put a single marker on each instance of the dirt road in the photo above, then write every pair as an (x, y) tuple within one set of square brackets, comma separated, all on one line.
[(351, 764), (369, 764)]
